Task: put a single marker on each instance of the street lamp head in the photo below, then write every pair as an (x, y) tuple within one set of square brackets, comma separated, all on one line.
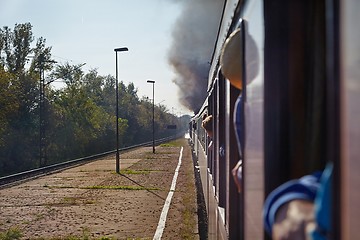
[(123, 49), (150, 81)]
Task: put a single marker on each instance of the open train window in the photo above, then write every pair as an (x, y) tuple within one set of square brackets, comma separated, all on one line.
[(295, 91), (297, 127)]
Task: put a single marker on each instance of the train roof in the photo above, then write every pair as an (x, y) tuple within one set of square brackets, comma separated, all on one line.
[(202, 110), (225, 25)]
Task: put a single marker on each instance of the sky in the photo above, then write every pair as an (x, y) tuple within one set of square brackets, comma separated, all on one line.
[(87, 31)]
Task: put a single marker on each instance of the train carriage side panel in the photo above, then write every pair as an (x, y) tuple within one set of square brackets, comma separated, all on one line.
[(350, 118), (253, 119)]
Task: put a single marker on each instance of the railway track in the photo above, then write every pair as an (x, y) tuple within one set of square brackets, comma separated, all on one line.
[(20, 177)]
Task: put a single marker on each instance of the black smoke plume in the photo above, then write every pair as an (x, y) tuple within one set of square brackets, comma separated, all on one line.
[(194, 37)]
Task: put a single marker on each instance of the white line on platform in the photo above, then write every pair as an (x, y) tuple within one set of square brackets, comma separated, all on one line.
[(162, 220)]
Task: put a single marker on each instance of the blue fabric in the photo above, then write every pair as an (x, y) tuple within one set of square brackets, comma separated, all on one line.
[(239, 124), (304, 188), (323, 205)]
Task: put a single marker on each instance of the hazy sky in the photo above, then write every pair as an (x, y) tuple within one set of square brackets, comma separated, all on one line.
[(87, 31)]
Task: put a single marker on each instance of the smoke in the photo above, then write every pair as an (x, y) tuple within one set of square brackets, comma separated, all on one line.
[(194, 36)]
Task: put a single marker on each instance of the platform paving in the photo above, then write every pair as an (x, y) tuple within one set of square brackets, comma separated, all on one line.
[(93, 202)]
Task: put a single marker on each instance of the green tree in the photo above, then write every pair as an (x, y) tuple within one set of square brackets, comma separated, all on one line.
[(17, 46), (9, 102), (80, 118), (42, 57), (19, 96)]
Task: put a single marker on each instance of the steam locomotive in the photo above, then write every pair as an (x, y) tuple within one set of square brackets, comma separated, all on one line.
[(300, 68)]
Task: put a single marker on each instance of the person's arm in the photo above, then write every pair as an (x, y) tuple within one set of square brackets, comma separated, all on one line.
[(288, 210), (294, 220), (237, 175)]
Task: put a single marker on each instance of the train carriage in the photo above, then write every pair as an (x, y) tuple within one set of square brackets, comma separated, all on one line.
[(300, 71)]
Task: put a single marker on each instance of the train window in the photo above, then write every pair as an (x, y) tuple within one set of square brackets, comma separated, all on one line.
[(295, 97), (295, 116), (234, 202), (222, 138), (232, 61), (215, 160)]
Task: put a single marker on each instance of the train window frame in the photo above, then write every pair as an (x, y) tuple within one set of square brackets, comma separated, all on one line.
[(234, 200)]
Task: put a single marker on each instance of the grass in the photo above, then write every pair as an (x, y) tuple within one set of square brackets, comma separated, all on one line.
[(146, 238), (130, 171), (150, 155), (58, 187), (166, 145), (11, 234), (39, 216), (69, 201), (176, 143), (15, 234), (103, 187), (121, 188)]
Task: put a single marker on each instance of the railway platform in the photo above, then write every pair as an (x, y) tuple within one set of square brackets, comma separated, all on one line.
[(92, 201)]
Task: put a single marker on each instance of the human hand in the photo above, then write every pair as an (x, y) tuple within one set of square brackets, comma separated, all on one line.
[(237, 175), (294, 220)]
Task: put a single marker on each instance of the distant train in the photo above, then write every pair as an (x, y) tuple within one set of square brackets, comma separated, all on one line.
[(300, 66)]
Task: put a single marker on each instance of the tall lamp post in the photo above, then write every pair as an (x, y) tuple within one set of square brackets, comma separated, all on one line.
[(123, 49), (43, 142), (153, 120)]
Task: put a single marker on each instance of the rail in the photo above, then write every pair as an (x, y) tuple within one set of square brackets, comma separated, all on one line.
[(16, 178)]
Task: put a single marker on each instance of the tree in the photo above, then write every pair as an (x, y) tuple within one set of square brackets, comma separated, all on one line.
[(8, 101), (72, 75), (42, 57), (80, 118), (19, 96), (17, 46)]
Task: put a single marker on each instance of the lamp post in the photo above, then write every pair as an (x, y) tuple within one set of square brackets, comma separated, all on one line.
[(43, 142), (123, 49), (153, 120)]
